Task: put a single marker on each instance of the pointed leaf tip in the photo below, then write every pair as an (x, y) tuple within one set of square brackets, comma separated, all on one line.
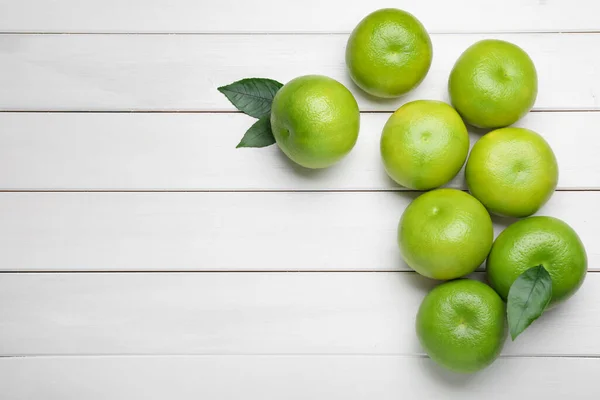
[(258, 135), (252, 96), (528, 297)]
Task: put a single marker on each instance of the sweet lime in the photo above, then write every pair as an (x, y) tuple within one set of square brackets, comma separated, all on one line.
[(461, 325), (512, 171), (424, 144), (315, 120), (535, 241), (493, 84), (388, 53), (445, 234)]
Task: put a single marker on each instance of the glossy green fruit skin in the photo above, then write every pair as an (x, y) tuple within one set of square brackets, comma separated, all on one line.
[(512, 171), (424, 144), (461, 325), (445, 234), (493, 84), (315, 121), (389, 53), (537, 241)]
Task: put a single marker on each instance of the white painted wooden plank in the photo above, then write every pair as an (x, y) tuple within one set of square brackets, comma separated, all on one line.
[(76, 151), (292, 378), (289, 16), (182, 72), (250, 313), (218, 231)]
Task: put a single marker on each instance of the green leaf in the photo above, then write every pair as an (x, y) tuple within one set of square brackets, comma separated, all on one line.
[(528, 297), (259, 134), (252, 96)]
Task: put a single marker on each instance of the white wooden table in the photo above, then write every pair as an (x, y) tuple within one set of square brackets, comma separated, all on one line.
[(144, 257)]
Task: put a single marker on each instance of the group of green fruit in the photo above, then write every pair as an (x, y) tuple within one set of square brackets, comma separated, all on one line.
[(443, 234)]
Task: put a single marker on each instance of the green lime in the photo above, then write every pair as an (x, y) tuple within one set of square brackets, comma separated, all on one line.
[(424, 144), (535, 241), (315, 120), (445, 234), (493, 84), (388, 53), (461, 325), (512, 171)]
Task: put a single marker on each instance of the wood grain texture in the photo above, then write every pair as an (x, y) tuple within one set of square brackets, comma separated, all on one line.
[(90, 151), (182, 72), (323, 231), (251, 313), (265, 335), (185, 16), (291, 378)]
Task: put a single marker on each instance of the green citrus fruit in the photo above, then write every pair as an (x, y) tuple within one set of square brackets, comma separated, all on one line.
[(493, 84), (445, 234), (315, 120), (512, 171), (424, 144), (461, 325), (537, 241), (388, 53)]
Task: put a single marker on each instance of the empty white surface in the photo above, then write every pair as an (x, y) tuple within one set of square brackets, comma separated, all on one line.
[(252, 335), (228, 231), (257, 313), (293, 378), (182, 72), (124, 151)]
